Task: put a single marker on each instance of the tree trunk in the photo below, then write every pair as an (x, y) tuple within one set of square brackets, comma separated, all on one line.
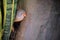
[(42, 21)]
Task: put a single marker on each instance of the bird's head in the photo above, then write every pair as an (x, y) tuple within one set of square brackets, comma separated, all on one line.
[(21, 14)]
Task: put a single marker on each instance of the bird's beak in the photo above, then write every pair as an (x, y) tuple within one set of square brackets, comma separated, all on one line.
[(24, 14)]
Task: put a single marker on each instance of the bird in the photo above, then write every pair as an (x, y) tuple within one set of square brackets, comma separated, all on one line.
[(21, 14)]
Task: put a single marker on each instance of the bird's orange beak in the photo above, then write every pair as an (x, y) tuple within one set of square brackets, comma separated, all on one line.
[(24, 14)]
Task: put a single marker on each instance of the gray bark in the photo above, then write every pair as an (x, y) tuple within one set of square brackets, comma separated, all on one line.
[(42, 21)]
